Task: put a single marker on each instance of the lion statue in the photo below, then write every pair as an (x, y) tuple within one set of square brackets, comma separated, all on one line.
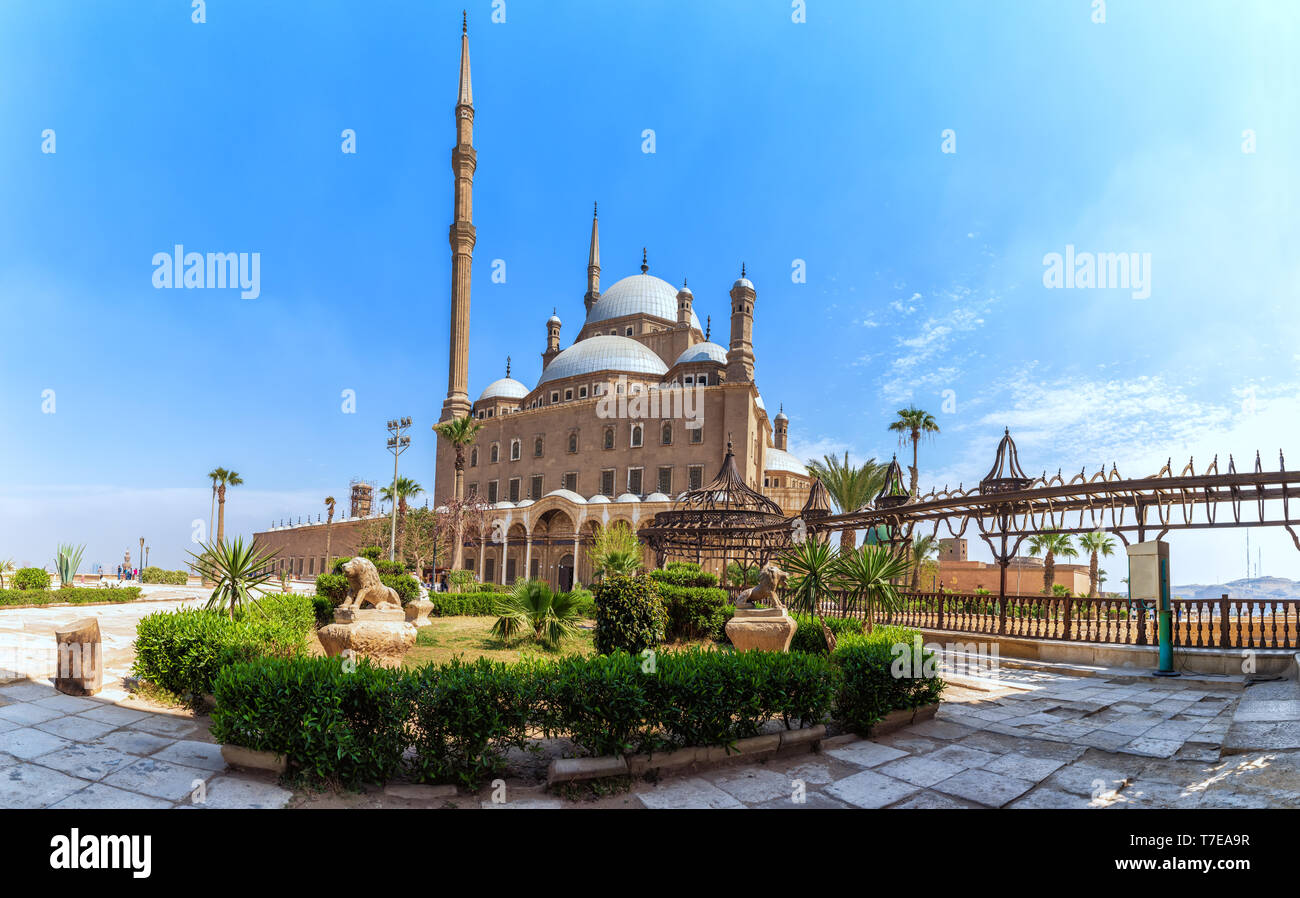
[(770, 579), (364, 587)]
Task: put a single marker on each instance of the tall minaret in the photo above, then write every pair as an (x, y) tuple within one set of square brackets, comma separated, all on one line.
[(463, 162), (593, 264), (740, 354)]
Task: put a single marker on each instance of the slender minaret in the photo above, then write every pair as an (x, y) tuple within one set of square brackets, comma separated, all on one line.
[(685, 299), (463, 163), (781, 432), (593, 264), (552, 339), (740, 354)]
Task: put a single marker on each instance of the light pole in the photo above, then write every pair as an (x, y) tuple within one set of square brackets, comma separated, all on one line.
[(146, 556), (397, 444), (142, 555)]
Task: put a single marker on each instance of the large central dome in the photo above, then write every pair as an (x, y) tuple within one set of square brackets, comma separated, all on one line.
[(603, 353), (640, 294)]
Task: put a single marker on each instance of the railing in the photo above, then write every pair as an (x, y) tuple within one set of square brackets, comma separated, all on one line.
[(1197, 623)]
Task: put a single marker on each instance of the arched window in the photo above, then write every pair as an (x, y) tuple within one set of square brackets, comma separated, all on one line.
[(573, 442), (609, 438), (537, 448), (515, 448), (494, 455), (667, 435), (473, 457), (636, 435)]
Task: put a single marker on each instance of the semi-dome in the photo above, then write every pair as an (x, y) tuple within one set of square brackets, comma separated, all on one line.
[(605, 352), (640, 294), (780, 460), (598, 499), (505, 388), (703, 352), (628, 497), (568, 494), (657, 497)]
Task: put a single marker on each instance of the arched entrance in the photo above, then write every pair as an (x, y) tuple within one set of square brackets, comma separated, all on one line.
[(565, 573)]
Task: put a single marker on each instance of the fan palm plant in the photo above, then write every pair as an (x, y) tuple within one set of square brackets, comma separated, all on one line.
[(850, 486), (867, 575), (1096, 543), (460, 432), (923, 549), (811, 565), (1051, 545), (914, 424), (238, 570), (227, 479), (533, 610), (67, 558)]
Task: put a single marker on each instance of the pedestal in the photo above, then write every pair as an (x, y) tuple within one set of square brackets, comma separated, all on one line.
[(764, 629), (417, 612), (80, 657), (382, 636)]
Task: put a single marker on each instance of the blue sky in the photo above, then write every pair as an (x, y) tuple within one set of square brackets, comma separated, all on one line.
[(776, 141)]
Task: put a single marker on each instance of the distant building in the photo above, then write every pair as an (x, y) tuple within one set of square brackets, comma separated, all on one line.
[(957, 573)]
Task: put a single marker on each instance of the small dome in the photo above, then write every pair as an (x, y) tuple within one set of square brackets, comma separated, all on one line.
[(503, 504), (604, 352), (569, 495), (628, 497), (780, 416), (703, 352), (780, 460), (598, 499), (523, 503), (554, 319), (505, 388), (685, 289), (640, 294), (657, 497)]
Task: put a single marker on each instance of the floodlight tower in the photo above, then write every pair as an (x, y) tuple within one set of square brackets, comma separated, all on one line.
[(398, 443)]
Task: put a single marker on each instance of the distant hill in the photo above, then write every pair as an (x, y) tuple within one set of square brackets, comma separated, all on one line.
[(1245, 588)]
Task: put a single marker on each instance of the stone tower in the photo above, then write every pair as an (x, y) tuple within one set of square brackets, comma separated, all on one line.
[(552, 339), (685, 299), (463, 162), (740, 354), (780, 435), (593, 264)]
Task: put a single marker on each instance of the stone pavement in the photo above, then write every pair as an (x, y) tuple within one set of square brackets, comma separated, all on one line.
[(110, 750), (1051, 741)]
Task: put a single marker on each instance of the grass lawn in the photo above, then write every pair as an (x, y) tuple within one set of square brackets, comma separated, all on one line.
[(471, 637)]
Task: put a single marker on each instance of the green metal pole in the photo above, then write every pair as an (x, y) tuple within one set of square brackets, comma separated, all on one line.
[(1165, 625)]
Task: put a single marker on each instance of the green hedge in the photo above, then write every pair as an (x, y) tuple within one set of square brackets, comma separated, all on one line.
[(879, 672), (695, 612), (76, 595), (158, 575), (630, 616), (455, 722), (810, 638), (31, 578), (684, 573), (182, 651), (455, 604)]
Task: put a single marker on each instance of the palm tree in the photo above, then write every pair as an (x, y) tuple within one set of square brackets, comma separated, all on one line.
[(1096, 543), (532, 606), (227, 478), (214, 475), (868, 575), (237, 570), (402, 489), (913, 424), (6, 568), (329, 526), (850, 487), (615, 550), (1051, 545), (923, 549), (460, 432)]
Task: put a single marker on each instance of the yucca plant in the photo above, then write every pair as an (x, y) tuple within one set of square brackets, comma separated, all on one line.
[(811, 565), (868, 575), (67, 558), (237, 570), (533, 610)]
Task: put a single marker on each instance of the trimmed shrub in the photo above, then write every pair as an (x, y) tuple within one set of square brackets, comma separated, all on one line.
[(694, 612), (159, 575), (332, 586), (684, 573), (880, 672), (31, 578), (453, 604), (182, 651), (323, 606), (330, 725), (603, 703), (630, 615), (406, 586), (466, 714), (810, 638), (74, 595)]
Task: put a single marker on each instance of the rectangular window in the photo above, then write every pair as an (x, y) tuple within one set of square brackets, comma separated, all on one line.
[(492, 492), (473, 488), (568, 394), (697, 434), (634, 481), (695, 476), (510, 570), (666, 481), (702, 380), (571, 481), (514, 489), (535, 491), (582, 392), (536, 570), (490, 570), (607, 482), (555, 395)]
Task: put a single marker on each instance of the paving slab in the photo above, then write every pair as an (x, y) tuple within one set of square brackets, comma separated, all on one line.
[(920, 770), (983, 786), (90, 762), (865, 753), (98, 796), (78, 729), (693, 792), (33, 786), (134, 742), (241, 791), (28, 743), (870, 789), (205, 755), (753, 785), (158, 778)]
